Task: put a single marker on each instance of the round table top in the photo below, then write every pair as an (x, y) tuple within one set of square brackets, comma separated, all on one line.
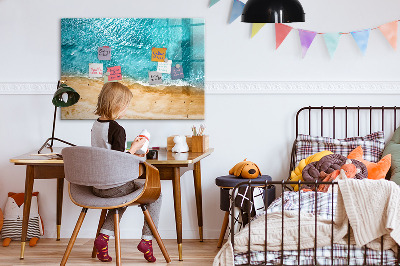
[(230, 181)]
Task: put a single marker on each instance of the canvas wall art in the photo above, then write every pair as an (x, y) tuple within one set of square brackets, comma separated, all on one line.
[(161, 60)]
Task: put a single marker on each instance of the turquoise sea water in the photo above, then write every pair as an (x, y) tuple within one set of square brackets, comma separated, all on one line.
[(131, 41)]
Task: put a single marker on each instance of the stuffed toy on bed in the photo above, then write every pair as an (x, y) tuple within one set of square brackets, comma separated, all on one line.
[(13, 215), (317, 171), (296, 174), (245, 169)]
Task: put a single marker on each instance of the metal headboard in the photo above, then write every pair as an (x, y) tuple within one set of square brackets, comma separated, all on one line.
[(346, 112)]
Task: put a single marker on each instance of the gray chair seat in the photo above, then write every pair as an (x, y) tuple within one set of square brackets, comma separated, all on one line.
[(83, 196)]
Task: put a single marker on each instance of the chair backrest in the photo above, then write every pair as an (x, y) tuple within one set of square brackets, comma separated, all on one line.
[(92, 166)]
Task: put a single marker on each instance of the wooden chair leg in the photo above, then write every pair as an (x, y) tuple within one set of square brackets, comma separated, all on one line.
[(117, 238), (101, 222), (73, 237), (154, 230), (223, 229)]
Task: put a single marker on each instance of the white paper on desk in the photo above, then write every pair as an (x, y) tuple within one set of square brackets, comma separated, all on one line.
[(164, 67)]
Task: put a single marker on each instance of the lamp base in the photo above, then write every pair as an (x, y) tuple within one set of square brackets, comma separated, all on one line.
[(50, 146)]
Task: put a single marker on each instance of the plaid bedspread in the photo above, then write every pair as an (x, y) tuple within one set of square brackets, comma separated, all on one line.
[(307, 202)]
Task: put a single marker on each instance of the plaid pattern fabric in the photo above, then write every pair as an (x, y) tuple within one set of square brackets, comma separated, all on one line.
[(292, 201), (254, 205), (324, 257), (372, 145), (321, 206)]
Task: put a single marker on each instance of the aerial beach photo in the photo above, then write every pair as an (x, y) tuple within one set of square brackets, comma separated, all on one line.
[(131, 41)]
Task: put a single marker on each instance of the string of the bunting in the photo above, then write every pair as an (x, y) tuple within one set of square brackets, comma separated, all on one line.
[(361, 37)]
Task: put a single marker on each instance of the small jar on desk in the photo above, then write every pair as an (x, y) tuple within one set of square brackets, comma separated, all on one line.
[(226, 183)]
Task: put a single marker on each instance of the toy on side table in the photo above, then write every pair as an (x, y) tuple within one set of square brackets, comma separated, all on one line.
[(13, 215), (245, 169)]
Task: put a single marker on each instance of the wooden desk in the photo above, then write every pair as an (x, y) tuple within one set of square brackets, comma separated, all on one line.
[(168, 164)]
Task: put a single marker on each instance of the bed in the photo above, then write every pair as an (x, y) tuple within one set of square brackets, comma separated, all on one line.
[(312, 210)]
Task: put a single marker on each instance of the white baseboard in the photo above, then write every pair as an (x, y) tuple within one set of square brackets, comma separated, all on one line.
[(248, 87)]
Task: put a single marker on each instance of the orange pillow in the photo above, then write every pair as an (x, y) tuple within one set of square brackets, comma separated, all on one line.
[(375, 170)]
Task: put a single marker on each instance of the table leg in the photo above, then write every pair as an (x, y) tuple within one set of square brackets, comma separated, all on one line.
[(199, 204), (27, 206), (60, 190), (176, 182)]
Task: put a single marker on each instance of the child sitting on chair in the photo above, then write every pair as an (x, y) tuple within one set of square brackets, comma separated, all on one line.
[(112, 104)]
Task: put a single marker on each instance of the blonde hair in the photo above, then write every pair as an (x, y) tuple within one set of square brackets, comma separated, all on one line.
[(113, 98)]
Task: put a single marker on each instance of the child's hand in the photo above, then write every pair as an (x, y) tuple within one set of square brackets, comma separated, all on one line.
[(143, 155), (137, 144)]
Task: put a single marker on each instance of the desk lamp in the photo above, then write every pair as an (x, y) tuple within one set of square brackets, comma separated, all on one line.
[(273, 11), (64, 96)]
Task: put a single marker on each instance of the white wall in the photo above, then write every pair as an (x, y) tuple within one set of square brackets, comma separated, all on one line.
[(259, 126)]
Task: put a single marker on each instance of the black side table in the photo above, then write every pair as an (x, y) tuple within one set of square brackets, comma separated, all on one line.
[(226, 183)]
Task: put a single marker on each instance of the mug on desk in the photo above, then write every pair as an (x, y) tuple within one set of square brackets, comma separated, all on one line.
[(152, 155)]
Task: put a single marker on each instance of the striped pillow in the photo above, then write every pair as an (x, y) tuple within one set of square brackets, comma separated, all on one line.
[(13, 228), (372, 145)]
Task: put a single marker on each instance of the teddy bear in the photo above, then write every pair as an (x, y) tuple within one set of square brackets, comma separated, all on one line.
[(180, 144), (245, 169), (13, 215)]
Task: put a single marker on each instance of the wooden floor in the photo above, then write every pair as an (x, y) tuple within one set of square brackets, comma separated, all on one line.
[(50, 252)]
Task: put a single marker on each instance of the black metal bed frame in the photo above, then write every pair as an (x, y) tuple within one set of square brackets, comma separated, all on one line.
[(283, 184)]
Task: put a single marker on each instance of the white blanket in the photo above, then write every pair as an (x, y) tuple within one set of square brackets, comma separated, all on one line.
[(371, 206)]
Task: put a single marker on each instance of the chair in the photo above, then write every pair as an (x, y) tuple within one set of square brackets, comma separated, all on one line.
[(85, 167)]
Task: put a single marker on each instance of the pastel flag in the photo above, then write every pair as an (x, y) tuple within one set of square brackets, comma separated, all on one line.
[(361, 37), (237, 9), (332, 41), (213, 2), (306, 39), (389, 30), (281, 31), (256, 27)]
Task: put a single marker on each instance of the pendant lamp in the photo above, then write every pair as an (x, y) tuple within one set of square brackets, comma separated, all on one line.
[(273, 11), (64, 96)]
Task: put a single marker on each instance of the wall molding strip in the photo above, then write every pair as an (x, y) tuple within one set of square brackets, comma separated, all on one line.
[(248, 87)]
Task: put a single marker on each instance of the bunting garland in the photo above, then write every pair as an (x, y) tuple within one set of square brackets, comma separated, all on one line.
[(389, 30), (361, 37), (256, 27), (306, 39), (213, 2), (237, 9), (281, 31), (332, 41)]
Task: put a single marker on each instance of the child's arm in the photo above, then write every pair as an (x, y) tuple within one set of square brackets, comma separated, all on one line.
[(136, 145)]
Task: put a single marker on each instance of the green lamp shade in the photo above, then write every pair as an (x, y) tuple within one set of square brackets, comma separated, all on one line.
[(65, 96)]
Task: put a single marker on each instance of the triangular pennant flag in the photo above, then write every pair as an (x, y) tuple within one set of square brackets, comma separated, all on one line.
[(281, 31), (213, 2), (237, 9), (332, 41), (390, 32), (256, 28), (306, 39), (361, 37)]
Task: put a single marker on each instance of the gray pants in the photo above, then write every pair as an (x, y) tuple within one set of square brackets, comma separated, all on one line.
[(154, 208)]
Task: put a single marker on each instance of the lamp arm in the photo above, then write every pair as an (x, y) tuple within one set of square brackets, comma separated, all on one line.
[(54, 126)]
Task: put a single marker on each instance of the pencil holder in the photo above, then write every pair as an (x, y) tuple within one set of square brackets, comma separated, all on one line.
[(200, 143)]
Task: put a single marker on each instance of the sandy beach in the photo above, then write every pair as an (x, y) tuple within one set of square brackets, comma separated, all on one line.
[(149, 102)]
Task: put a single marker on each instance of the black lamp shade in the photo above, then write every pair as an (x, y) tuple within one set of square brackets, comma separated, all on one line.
[(70, 98), (273, 11)]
